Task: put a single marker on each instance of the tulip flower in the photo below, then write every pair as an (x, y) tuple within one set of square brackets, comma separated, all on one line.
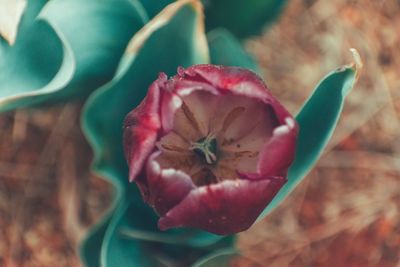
[(209, 148)]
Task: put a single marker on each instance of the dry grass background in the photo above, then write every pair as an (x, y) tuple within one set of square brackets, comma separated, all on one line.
[(346, 212)]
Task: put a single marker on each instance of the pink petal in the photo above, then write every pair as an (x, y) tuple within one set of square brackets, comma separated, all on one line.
[(225, 208)]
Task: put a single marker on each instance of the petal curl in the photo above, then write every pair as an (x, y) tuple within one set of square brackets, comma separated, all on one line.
[(228, 79), (166, 187), (225, 208), (278, 153), (141, 127), (223, 79)]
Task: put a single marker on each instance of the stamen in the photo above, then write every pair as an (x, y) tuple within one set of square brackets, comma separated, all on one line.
[(190, 117), (206, 147), (173, 148)]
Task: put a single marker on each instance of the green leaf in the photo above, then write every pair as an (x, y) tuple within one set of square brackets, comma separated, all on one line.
[(117, 251), (10, 16), (153, 7), (225, 49), (97, 32), (32, 10), (188, 237), (217, 259), (31, 68), (90, 249), (61, 52), (146, 229), (317, 120), (242, 18), (121, 250)]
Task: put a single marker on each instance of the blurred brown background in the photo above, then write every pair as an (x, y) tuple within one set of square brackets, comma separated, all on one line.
[(345, 213)]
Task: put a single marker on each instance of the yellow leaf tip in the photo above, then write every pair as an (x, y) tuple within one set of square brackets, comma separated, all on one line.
[(357, 61), (11, 13)]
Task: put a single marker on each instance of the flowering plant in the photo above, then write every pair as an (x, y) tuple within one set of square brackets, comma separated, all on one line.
[(209, 148), (238, 153)]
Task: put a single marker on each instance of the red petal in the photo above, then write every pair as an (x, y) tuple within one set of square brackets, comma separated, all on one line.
[(166, 187), (236, 80), (229, 79), (225, 208), (278, 153), (141, 128), (229, 206)]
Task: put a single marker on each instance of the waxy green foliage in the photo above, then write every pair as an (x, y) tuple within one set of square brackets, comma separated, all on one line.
[(30, 68), (60, 52), (222, 257), (226, 50), (317, 120), (153, 7), (242, 18)]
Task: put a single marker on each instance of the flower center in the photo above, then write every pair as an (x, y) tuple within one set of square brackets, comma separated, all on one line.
[(214, 137), (206, 148)]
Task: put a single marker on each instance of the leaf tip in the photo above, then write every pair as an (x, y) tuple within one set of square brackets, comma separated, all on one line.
[(357, 64), (10, 16)]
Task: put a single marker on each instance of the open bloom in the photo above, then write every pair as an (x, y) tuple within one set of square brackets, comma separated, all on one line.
[(209, 148)]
